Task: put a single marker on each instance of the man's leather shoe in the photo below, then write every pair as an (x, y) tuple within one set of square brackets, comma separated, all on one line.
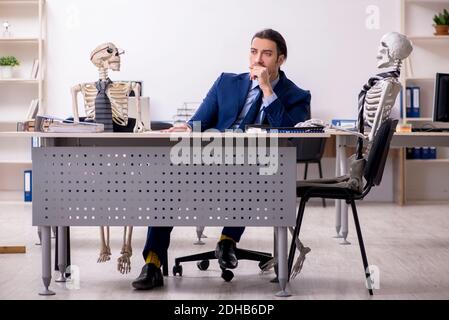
[(225, 253), (150, 277)]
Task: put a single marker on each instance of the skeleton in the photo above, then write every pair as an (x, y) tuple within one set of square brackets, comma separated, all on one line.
[(381, 98), (105, 57), (376, 108)]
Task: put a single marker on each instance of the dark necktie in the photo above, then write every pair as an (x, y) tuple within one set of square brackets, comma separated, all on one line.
[(362, 96), (103, 109), (252, 113)]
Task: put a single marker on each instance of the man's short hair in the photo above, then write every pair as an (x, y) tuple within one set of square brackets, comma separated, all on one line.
[(276, 37)]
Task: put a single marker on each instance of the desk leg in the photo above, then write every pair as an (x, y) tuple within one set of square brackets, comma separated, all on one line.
[(337, 174), (62, 253), (275, 255), (341, 216), (282, 262), (344, 205), (46, 261)]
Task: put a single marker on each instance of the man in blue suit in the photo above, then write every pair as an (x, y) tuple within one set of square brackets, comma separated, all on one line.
[(262, 96)]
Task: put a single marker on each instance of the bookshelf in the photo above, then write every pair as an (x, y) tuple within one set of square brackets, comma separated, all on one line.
[(419, 178), (25, 41)]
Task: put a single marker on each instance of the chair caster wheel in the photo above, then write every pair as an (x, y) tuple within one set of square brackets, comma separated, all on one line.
[(227, 275), (177, 270), (203, 265)]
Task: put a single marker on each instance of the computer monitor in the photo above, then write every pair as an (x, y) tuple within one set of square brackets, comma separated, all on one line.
[(441, 105)]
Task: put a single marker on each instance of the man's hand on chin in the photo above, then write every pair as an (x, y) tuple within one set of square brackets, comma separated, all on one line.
[(262, 75)]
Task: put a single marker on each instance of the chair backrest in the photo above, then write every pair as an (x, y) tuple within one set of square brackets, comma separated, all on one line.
[(378, 154), (309, 150)]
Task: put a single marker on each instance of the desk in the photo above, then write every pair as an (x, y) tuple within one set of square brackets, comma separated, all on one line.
[(134, 179), (400, 140)]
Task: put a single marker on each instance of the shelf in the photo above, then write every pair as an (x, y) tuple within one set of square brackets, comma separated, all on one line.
[(427, 1), (16, 162), (434, 161), (11, 2), (20, 40), (419, 119), (429, 38), (19, 81), (419, 79)]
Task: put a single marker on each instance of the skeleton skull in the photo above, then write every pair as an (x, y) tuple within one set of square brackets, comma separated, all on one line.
[(393, 47), (107, 56)]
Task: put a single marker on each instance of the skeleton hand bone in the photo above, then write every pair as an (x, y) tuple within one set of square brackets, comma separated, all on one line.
[(124, 262)]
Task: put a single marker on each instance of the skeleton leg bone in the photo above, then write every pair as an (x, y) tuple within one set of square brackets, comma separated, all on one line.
[(303, 251), (105, 251)]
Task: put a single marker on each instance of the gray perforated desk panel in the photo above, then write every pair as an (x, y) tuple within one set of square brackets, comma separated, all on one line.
[(120, 185), (130, 180)]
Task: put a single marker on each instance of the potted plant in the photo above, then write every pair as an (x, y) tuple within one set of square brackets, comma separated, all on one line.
[(441, 23), (6, 65)]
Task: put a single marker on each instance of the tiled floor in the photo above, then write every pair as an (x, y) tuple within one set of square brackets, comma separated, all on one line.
[(409, 245)]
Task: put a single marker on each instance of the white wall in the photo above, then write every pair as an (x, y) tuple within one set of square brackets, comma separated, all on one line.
[(178, 48)]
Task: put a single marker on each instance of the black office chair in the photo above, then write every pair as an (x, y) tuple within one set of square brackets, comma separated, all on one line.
[(310, 151), (333, 189), (204, 261)]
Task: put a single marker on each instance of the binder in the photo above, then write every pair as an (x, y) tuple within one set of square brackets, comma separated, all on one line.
[(409, 155), (416, 153), (28, 185), (433, 153), (425, 153), (409, 102), (416, 102)]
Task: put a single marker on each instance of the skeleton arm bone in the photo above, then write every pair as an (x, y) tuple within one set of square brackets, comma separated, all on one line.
[(75, 90), (139, 125)]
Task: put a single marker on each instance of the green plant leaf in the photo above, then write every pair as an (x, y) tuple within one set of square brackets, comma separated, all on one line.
[(9, 61), (446, 17)]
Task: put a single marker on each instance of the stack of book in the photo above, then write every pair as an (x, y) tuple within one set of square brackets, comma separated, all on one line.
[(81, 127), (186, 112)]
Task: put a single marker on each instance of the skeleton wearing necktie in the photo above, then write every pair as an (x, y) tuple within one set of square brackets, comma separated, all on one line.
[(106, 102)]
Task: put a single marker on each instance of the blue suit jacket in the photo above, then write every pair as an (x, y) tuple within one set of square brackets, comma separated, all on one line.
[(226, 99)]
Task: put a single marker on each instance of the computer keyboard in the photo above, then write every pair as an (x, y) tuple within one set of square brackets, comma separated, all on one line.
[(430, 130)]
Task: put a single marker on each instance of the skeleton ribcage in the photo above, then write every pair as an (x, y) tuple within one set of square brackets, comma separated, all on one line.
[(118, 93), (373, 100)]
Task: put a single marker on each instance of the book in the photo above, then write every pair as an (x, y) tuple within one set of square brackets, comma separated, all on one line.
[(35, 69), (186, 112), (81, 127), (32, 110)]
